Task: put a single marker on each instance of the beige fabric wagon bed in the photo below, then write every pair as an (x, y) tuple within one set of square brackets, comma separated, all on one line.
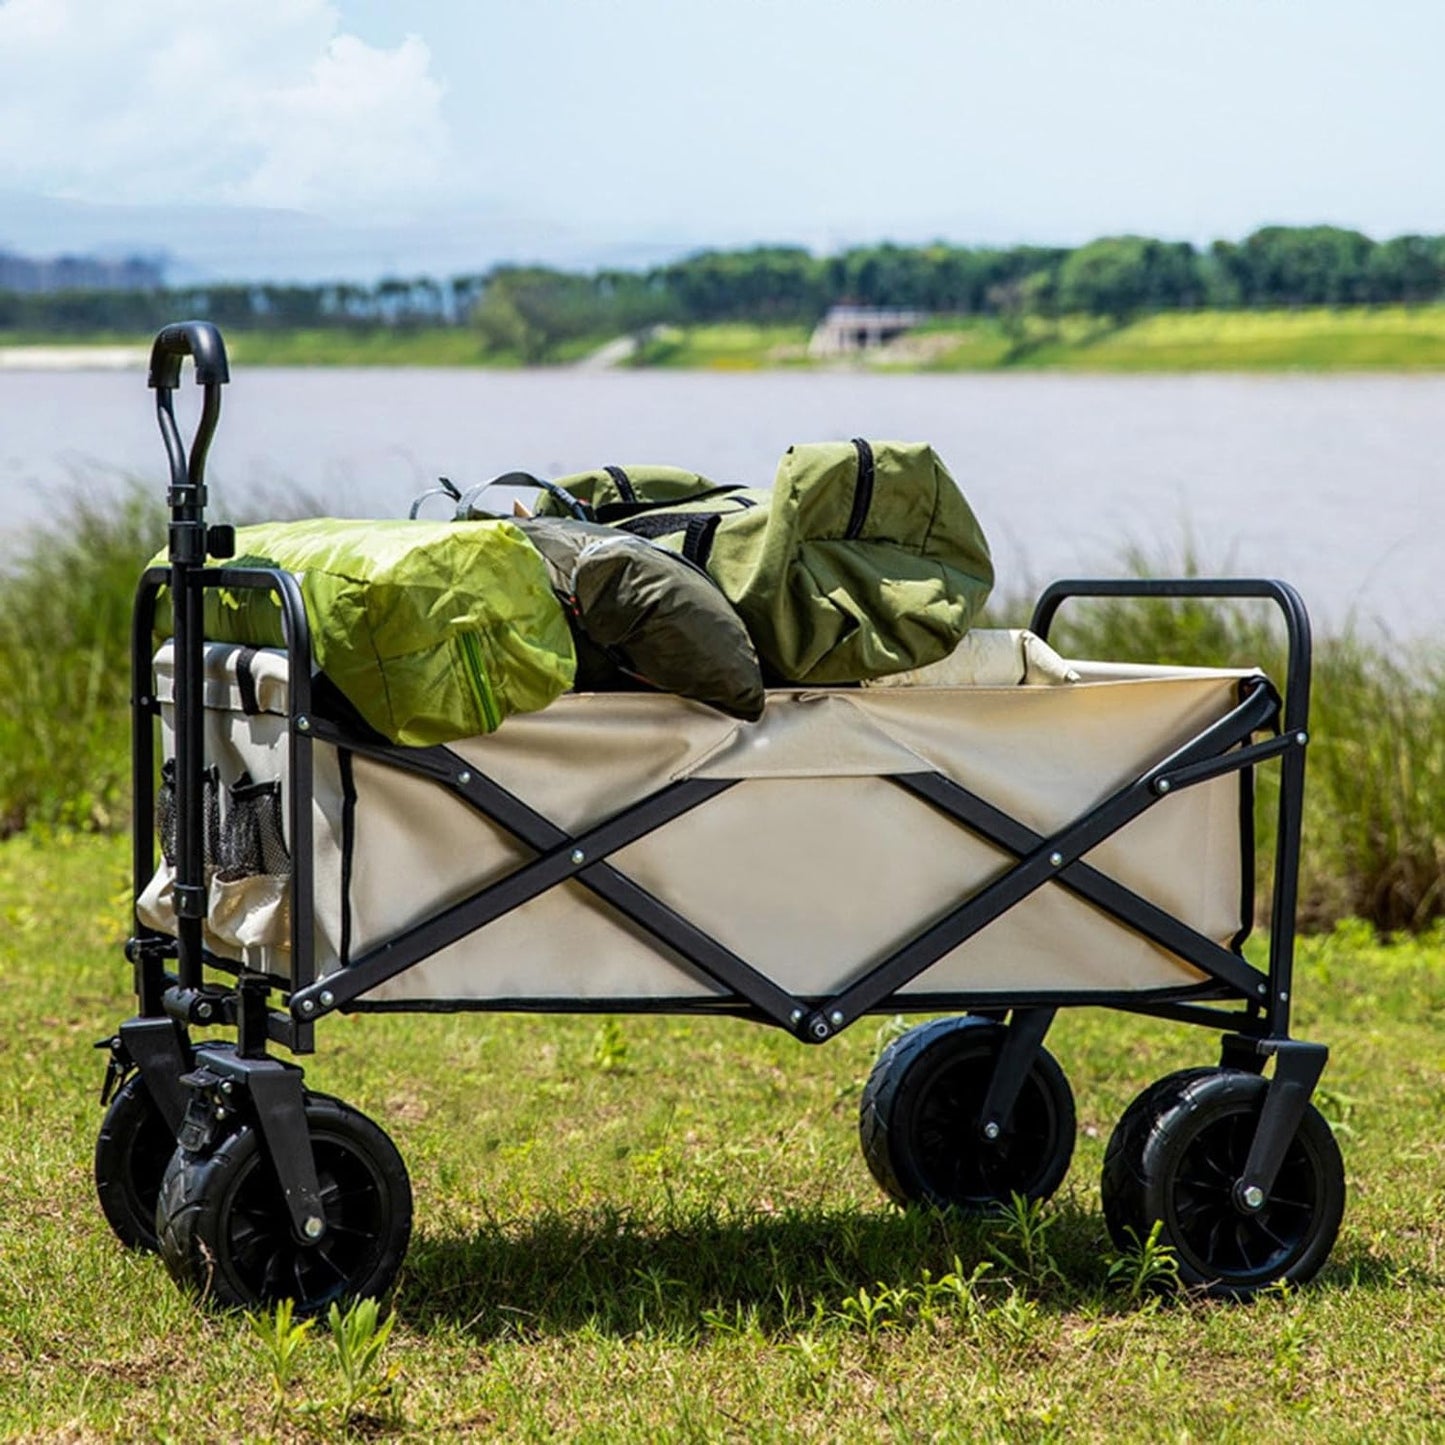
[(813, 868)]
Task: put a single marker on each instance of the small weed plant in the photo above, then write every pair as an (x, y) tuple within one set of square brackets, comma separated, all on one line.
[(360, 1335), (1147, 1268), (1022, 1241), (369, 1387), (281, 1337), (609, 1047)]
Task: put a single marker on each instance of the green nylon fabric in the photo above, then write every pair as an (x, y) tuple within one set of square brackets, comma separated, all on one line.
[(643, 615), (434, 631), (831, 590), (600, 488)]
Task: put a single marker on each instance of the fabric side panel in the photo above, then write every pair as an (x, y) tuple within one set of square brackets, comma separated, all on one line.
[(837, 873), (589, 755)]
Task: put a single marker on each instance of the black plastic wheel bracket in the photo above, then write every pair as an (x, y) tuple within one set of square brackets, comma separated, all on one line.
[(1023, 1038), (1297, 1070), (1238, 1051), (278, 1101), (159, 1048)]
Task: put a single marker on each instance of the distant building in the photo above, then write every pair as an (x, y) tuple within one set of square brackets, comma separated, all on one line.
[(79, 273), (849, 329)]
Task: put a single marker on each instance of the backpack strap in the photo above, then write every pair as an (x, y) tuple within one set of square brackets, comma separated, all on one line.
[(618, 513), (444, 488), (580, 510), (698, 536), (622, 482), (661, 524)]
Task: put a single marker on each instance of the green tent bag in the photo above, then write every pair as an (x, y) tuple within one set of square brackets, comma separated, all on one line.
[(433, 631), (863, 560)]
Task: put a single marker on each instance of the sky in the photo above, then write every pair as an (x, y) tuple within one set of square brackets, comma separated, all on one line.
[(305, 138)]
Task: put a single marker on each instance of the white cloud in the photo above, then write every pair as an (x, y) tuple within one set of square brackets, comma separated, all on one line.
[(263, 102)]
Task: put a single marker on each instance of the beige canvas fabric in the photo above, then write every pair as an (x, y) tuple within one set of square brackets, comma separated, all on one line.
[(814, 867)]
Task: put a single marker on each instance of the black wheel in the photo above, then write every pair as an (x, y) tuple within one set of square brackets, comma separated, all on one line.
[(921, 1115), (225, 1232), (1175, 1158), (131, 1154)]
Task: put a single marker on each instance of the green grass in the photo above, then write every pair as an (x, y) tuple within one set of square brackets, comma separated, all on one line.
[(330, 346), (664, 1229), (638, 1229), (65, 603), (1315, 339), (1361, 338), (734, 346), (381, 346)]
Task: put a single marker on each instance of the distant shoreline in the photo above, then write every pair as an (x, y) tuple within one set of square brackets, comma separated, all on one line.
[(1314, 340), (82, 356)]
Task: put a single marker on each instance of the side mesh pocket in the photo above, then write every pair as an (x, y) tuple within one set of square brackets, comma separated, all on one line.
[(156, 907), (251, 892), (253, 837), (167, 813)]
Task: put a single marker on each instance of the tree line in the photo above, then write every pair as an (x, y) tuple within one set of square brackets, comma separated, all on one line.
[(529, 311)]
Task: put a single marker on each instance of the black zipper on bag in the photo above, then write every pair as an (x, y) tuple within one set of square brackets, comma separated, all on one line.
[(863, 492)]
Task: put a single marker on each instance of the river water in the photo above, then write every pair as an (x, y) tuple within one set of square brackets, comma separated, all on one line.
[(1334, 483)]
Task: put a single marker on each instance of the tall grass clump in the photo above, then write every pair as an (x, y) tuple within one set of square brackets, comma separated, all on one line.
[(1378, 764), (65, 602)]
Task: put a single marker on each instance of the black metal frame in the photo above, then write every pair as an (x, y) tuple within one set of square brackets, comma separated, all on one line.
[(157, 1040)]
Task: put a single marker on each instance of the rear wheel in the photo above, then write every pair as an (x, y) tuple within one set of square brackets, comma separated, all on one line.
[(921, 1120), (1175, 1158), (132, 1150), (225, 1231)]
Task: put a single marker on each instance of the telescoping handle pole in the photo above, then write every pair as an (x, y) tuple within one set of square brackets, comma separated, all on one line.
[(189, 543)]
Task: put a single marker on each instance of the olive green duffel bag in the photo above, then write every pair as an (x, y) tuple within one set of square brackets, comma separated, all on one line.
[(863, 560)]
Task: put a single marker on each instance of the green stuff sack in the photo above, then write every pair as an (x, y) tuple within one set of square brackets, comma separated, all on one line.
[(863, 560), (642, 616), (433, 631)]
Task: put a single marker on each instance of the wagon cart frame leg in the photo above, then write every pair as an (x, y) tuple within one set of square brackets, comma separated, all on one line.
[(160, 1050), (1024, 1036), (1297, 1070)]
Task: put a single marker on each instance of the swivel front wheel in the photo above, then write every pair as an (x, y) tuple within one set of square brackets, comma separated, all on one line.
[(1176, 1157), (225, 1232)]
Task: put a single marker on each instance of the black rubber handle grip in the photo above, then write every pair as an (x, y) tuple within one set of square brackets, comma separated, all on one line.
[(199, 340)]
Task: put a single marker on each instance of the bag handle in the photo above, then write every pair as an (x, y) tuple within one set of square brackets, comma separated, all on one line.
[(612, 512)]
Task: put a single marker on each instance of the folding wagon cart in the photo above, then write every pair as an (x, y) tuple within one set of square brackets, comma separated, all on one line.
[(1048, 835)]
